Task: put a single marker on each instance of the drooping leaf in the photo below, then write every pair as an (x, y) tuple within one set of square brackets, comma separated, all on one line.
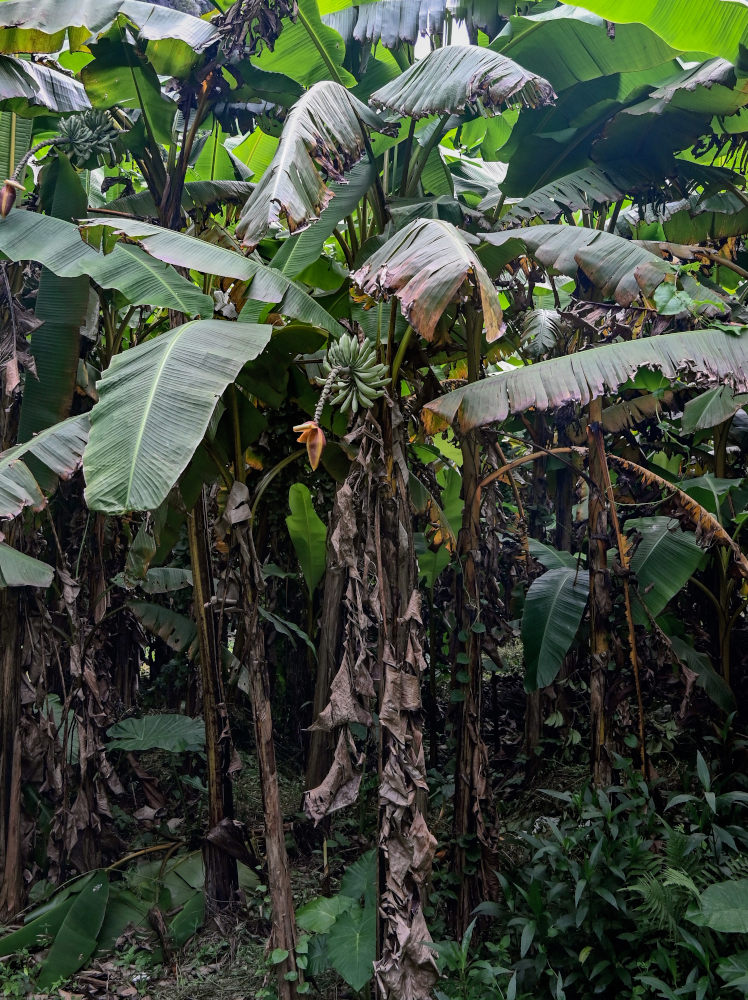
[(714, 355), (58, 246), (308, 535), (75, 941), (205, 194), (44, 25), (265, 284), (549, 557), (30, 88), (426, 265), (541, 331), (707, 677), (155, 402), (178, 631), (288, 628), (172, 733), (619, 268), (19, 570), (325, 132), (664, 560), (449, 78), (554, 606), (59, 449), (160, 580)]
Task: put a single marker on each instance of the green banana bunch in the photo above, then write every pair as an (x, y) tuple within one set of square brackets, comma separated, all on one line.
[(352, 376), (87, 134)]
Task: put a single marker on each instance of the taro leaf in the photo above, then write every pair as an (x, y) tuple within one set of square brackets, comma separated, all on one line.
[(711, 408), (360, 878), (554, 606), (173, 733), (155, 403), (549, 557), (318, 915), (76, 939), (715, 355), (665, 558), (724, 906), (325, 129), (426, 265), (351, 946), (713, 684), (19, 570), (451, 77), (308, 535), (189, 920)]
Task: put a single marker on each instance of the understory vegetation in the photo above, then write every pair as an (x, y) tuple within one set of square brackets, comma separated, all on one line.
[(373, 486)]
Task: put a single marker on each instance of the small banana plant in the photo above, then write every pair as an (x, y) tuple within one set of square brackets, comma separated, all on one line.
[(352, 379)]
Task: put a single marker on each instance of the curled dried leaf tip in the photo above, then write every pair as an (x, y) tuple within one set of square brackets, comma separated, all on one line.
[(311, 434), (8, 196)]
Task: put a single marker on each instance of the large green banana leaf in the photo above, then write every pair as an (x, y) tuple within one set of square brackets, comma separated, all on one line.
[(15, 139), (425, 265), (20, 570), (449, 78), (44, 25), (307, 50), (58, 246), (196, 194), (155, 403), (554, 606), (61, 304), (665, 558), (28, 87), (568, 45), (59, 449), (265, 284), (619, 268), (325, 129), (711, 26), (713, 355)]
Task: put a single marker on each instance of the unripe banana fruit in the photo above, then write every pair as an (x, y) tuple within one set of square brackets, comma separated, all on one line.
[(358, 377)]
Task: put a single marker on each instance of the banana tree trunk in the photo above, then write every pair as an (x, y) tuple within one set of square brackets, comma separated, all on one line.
[(279, 878), (221, 877), (601, 604), (11, 881)]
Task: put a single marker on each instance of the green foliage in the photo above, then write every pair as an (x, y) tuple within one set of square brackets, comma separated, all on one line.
[(308, 535), (173, 733)]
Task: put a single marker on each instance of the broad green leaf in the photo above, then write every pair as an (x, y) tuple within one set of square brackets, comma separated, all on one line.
[(209, 195), (58, 448), (326, 129), (360, 878), (19, 570), (568, 46), (264, 284), (711, 408), (155, 403), (664, 560), (689, 25), (39, 928), (15, 140), (715, 686), (141, 279), (287, 628), (351, 946), (172, 733), (75, 941), (30, 88), (451, 77), (710, 491), (308, 535), (712, 354), (553, 610), (549, 557), (307, 50), (425, 265), (160, 580), (124, 909), (189, 920), (724, 906), (61, 304)]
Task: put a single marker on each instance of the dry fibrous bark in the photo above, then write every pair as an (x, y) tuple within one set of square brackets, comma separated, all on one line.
[(382, 655)]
